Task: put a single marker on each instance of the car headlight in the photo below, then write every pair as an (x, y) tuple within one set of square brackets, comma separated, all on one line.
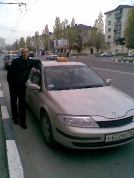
[(77, 121)]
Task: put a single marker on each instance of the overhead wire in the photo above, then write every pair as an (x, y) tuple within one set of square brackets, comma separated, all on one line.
[(17, 18), (26, 12), (21, 18)]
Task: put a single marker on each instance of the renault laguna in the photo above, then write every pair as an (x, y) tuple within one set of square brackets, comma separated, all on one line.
[(79, 109)]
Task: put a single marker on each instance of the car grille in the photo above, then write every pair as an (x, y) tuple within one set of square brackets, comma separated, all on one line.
[(115, 123)]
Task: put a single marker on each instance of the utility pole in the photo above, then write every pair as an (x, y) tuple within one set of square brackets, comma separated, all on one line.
[(20, 3)]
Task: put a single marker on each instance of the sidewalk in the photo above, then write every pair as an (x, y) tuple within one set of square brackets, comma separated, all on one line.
[(3, 156), (10, 163)]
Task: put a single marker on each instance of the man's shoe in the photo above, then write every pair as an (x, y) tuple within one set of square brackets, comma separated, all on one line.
[(16, 122), (24, 126)]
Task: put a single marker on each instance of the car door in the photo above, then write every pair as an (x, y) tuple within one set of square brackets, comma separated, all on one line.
[(34, 96)]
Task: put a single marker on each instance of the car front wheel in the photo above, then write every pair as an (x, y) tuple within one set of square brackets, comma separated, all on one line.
[(47, 129)]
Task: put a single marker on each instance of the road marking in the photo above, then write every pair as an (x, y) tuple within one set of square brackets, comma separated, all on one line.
[(128, 73), (15, 167), (14, 162), (1, 94), (4, 112)]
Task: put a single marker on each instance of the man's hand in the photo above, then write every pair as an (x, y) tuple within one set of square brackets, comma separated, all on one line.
[(34, 70)]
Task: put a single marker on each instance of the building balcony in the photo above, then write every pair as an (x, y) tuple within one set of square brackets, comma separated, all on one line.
[(117, 23), (118, 15)]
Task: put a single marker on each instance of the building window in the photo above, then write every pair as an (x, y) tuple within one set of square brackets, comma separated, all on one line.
[(109, 15), (108, 44), (109, 36), (109, 29), (109, 22)]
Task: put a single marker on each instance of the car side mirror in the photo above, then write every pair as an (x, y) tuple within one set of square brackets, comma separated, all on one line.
[(108, 81)]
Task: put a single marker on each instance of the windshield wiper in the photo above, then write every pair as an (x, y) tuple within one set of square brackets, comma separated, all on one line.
[(77, 87), (91, 86)]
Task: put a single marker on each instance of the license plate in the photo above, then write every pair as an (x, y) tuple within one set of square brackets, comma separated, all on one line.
[(119, 136)]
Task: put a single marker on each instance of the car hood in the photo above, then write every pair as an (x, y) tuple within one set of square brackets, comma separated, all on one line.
[(102, 101)]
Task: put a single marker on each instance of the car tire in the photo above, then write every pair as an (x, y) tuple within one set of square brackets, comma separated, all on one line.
[(47, 129)]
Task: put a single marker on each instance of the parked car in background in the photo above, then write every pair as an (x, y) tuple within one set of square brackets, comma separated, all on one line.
[(51, 56), (31, 54), (107, 54), (16, 56), (7, 61), (77, 108)]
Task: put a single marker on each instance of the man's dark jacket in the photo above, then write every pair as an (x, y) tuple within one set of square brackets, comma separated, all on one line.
[(19, 70)]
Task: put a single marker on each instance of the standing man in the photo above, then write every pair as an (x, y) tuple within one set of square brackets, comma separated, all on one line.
[(17, 76)]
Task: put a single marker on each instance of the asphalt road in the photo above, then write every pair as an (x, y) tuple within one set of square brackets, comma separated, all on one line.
[(122, 74), (39, 161)]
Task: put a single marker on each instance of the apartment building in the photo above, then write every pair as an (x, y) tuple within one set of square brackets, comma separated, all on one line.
[(115, 23)]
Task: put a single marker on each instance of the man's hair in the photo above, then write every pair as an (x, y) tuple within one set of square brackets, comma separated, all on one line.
[(24, 49)]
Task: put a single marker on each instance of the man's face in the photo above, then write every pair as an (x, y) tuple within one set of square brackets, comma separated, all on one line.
[(25, 53)]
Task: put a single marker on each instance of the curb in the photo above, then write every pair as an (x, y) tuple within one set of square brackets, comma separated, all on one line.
[(14, 163), (122, 61)]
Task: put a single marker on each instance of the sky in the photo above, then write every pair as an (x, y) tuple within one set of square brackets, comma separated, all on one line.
[(22, 21)]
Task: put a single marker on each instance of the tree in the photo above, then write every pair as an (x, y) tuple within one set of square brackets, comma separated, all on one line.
[(71, 33), (64, 26), (22, 42), (57, 29), (37, 41), (81, 32), (98, 33), (46, 39), (28, 43), (129, 31), (15, 45)]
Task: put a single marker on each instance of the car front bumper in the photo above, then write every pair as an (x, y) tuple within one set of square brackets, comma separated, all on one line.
[(93, 138)]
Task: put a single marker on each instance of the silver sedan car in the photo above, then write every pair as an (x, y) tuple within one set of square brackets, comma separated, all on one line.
[(51, 56), (77, 108), (107, 54)]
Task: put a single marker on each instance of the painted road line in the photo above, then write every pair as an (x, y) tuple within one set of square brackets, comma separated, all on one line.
[(128, 73), (1, 94), (15, 167), (14, 162)]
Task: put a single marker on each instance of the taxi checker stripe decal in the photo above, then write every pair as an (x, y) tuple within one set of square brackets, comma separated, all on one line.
[(128, 73), (14, 162)]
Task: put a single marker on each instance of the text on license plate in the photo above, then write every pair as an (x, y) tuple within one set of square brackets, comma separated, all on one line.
[(119, 136)]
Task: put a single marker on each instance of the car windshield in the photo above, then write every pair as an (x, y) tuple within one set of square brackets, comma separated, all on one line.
[(71, 77), (53, 54), (8, 57)]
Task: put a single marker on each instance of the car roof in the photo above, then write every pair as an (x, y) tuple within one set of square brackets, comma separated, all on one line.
[(8, 55), (55, 63)]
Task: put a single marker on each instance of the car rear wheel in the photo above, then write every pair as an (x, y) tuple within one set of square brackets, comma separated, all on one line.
[(47, 129)]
